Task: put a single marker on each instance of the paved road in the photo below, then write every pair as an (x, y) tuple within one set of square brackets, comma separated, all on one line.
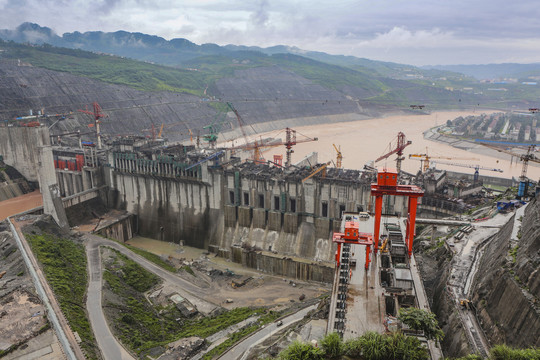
[(110, 347), (239, 350), (196, 295)]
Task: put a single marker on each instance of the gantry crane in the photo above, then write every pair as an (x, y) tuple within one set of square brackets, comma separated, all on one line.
[(475, 167), (401, 144), (97, 115), (525, 158), (425, 158), (339, 156)]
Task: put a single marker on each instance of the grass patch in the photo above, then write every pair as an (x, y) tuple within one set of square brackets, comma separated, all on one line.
[(64, 266), (156, 259), (188, 269)]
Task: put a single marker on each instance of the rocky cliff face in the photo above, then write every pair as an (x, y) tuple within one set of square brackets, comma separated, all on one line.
[(507, 288), (434, 264)]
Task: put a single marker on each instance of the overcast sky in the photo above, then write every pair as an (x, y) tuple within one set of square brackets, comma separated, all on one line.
[(416, 32)]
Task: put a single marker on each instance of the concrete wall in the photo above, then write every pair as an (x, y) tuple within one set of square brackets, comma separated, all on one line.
[(19, 147), (121, 230), (170, 209)]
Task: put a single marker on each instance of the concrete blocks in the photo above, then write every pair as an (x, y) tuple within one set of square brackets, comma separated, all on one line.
[(322, 226), (244, 216), (274, 220), (259, 218), (290, 223), (230, 215)]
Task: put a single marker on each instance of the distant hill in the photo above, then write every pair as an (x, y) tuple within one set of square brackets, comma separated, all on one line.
[(492, 71), (179, 52), (179, 65)]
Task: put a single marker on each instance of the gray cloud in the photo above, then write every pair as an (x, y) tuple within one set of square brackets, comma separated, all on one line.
[(414, 31)]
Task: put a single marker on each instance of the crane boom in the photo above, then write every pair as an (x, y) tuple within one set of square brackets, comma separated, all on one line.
[(401, 144), (476, 167)]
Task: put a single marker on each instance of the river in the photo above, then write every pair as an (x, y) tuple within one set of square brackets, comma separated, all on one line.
[(366, 140)]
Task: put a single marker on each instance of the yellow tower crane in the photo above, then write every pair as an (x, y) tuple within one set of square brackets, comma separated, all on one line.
[(339, 156)]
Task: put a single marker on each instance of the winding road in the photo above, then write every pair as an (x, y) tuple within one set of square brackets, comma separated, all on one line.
[(110, 347)]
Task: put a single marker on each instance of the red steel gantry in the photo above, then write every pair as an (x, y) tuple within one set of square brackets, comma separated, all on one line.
[(353, 236), (387, 185)]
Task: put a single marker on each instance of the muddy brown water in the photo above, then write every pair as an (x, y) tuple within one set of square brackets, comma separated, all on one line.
[(365, 140), (19, 204)]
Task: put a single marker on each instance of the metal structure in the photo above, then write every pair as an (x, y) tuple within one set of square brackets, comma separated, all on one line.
[(525, 158), (354, 237), (387, 185), (475, 167), (316, 171), (401, 143), (290, 141), (97, 115), (214, 129), (339, 156), (425, 158)]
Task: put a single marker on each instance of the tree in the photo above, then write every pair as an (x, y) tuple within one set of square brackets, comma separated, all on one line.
[(419, 319), (332, 345), (301, 351)]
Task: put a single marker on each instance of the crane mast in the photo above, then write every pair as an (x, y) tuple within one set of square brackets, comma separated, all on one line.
[(401, 144)]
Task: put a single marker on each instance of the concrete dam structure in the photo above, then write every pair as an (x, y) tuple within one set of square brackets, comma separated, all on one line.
[(262, 216), (265, 217)]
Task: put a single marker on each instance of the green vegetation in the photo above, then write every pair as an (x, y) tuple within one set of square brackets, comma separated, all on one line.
[(420, 319), (240, 334), (513, 253), (188, 269), (156, 259), (142, 326), (370, 346), (332, 345), (111, 69), (504, 352), (64, 265)]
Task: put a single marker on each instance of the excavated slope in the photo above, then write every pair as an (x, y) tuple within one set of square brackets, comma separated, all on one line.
[(271, 93), (507, 289)]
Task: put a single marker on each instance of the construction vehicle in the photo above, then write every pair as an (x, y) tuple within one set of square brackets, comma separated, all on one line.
[(339, 156), (465, 303), (384, 248), (401, 143)]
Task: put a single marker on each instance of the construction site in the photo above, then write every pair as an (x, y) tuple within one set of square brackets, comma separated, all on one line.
[(297, 228)]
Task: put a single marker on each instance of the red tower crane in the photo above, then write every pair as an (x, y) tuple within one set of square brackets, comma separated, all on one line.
[(401, 144), (97, 115)]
